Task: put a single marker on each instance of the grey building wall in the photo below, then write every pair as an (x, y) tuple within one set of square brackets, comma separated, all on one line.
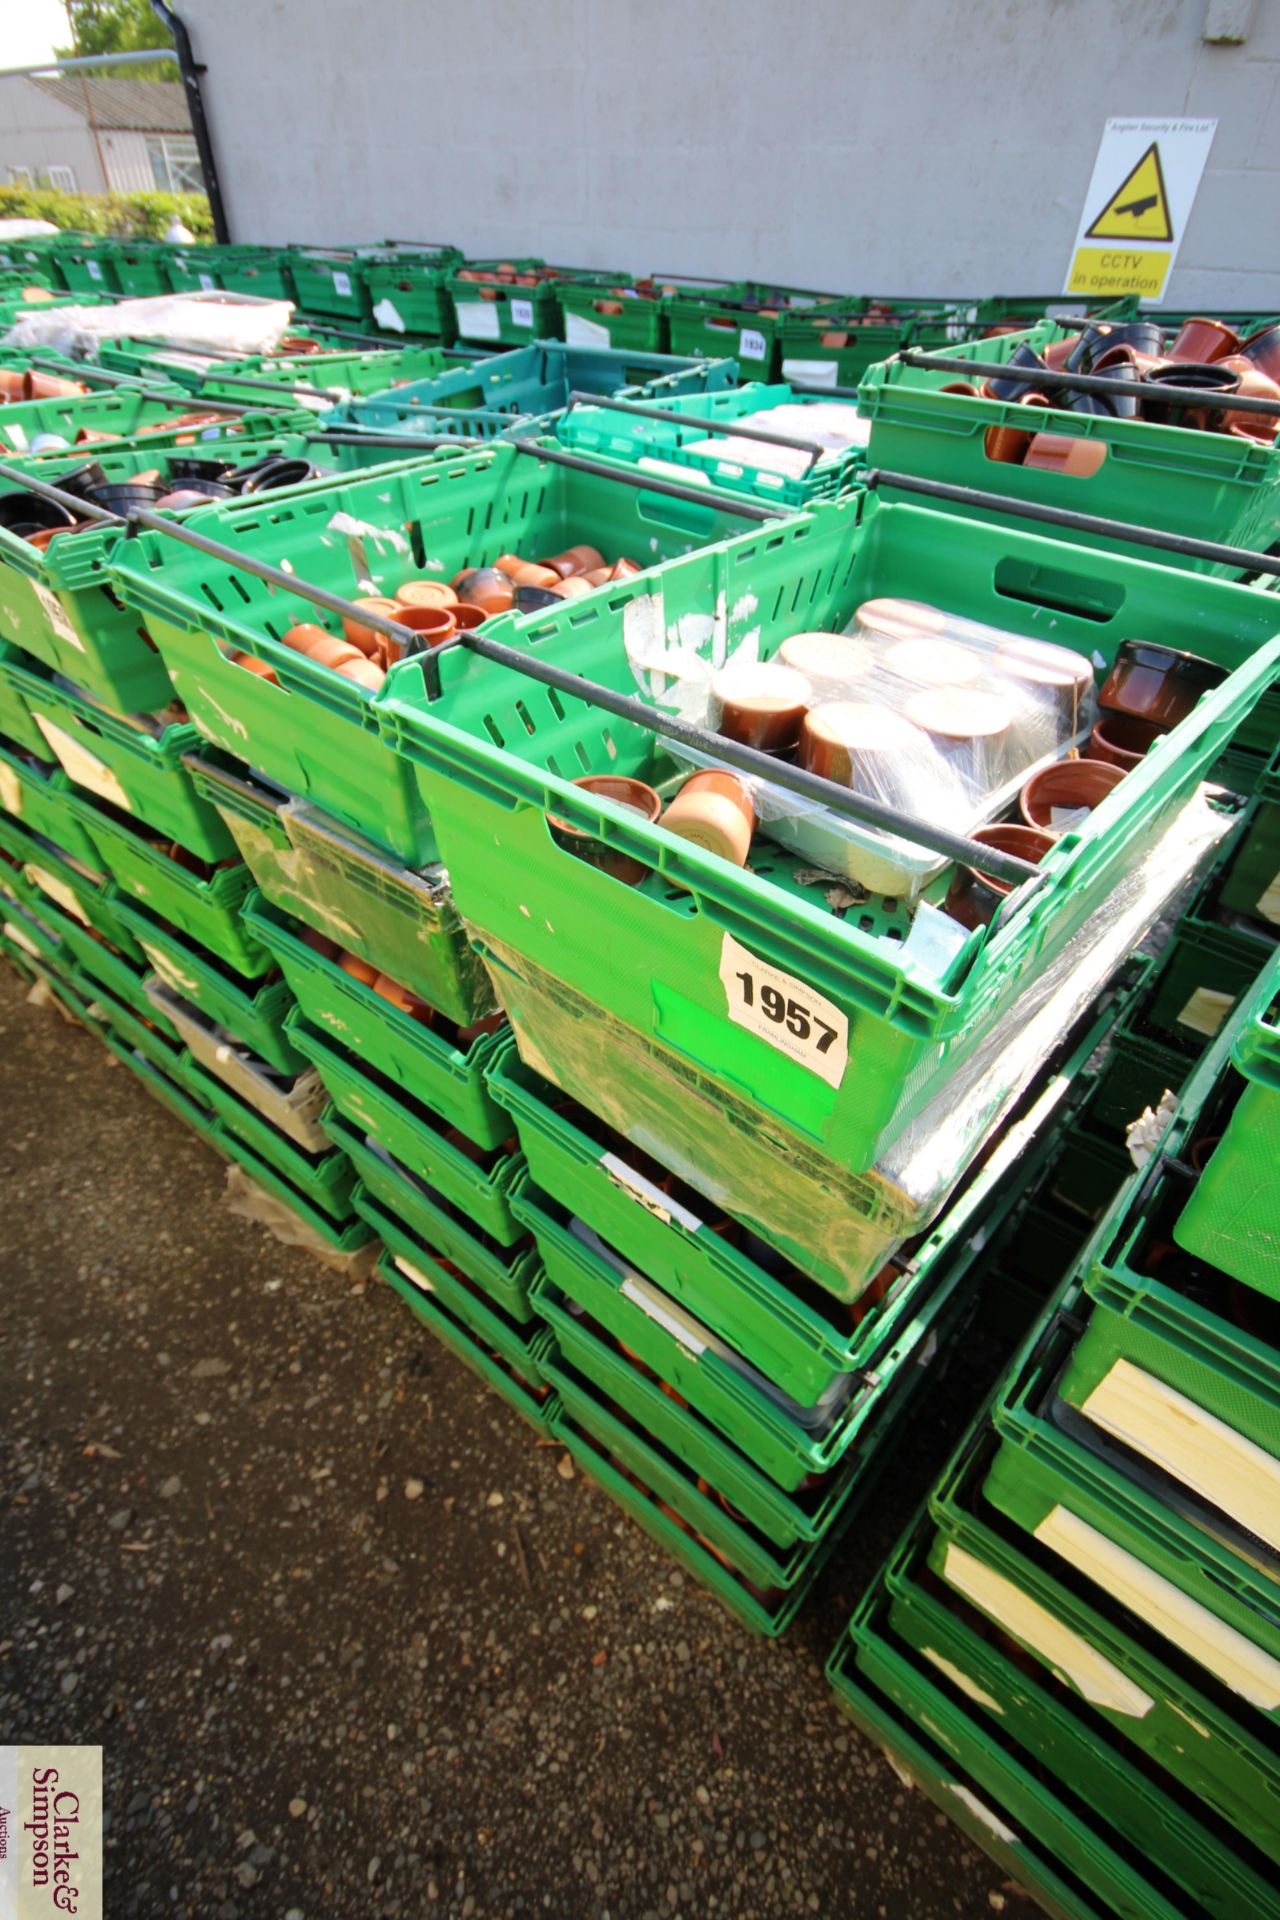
[(39, 132), (918, 147)]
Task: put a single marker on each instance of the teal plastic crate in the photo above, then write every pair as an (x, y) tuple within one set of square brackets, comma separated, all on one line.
[(476, 1180), (496, 754), (525, 390), (793, 477), (1211, 486), (316, 733), (252, 1010)]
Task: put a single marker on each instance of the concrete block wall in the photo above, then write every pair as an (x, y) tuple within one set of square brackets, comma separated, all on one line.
[(914, 148)]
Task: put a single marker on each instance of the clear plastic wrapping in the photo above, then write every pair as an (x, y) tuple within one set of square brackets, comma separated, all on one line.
[(834, 425), (817, 1213), (937, 716), (226, 322)]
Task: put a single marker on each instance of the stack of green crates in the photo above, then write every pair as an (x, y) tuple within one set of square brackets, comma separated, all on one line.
[(738, 1411), (1076, 1649), (135, 892)]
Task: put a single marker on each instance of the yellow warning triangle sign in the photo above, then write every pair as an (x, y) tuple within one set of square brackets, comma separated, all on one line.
[(1139, 207)]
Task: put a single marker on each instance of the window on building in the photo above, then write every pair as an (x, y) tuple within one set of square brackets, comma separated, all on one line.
[(175, 163), (63, 179), (22, 177)]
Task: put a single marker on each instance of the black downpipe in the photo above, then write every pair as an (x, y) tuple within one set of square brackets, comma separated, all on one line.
[(191, 71)]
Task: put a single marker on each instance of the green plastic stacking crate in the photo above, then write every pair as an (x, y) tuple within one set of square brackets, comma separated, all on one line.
[(445, 1072), (315, 733), (742, 318), (207, 906), (1232, 1217), (1193, 1571), (328, 876), (1251, 882), (37, 793), (142, 268), (836, 343), (1211, 486), (622, 317), (121, 414), (325, 1178), (625, 991), (478, 1182), (133, 765), (1143, 1687), (492, 310), (252, 1009)]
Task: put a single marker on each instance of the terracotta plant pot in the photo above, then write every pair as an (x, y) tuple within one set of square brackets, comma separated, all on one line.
[(365, 638), (1048, 673), (970, 730), (1007, 445), (1203, 340), (1254, 385), (1263, 349), (1121, 740), (325, 648), (714, 810), (1066, 453), (426, 593), (485, 587), (761, 705), (974, 896), (624, 792), (1068, 786), (827, 660), (863, 746), (433, 626), (1157, 684)]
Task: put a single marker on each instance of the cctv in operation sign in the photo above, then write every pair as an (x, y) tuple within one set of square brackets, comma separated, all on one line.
[(1138, 204)]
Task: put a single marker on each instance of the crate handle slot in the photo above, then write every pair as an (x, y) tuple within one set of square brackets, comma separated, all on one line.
[(980, 501)]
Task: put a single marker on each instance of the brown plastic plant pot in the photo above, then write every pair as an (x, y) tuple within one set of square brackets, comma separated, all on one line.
[(1262, 349), (761, 705), (1065, 453), (1121, 740), (864, 746), (1007, 445), (714, 810), (1068, 785), (580, 841), (1156, 683), (1254, 385), (1203, 340), (974, 896)]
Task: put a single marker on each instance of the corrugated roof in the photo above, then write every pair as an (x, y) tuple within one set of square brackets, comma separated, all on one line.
[(126, 106)]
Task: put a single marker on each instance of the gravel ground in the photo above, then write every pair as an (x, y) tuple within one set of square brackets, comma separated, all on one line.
[(354, 1643)]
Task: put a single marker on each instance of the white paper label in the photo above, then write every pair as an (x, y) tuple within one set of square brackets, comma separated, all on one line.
[(57, 890), (415, 1274), (56, 614), (478, 320), (1206, 1010), (581, 332), (1269, 902), (752, 345), (84, 767), (522, 313), (638, 1188), (21, 939), (784, 1011), (387, 315), (95, 271), (206, 282), (10, 790), (342, 283), (811, 373), (677, 1324)]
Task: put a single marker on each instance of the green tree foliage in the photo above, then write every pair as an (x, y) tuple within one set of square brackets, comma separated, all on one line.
[(120, 26), (123, 216)]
